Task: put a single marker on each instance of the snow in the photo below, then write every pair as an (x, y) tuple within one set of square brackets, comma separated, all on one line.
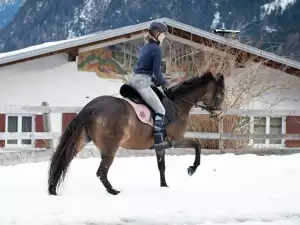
[(270, 7), (216, 20), (227, 189), (6, 2), (85, 15), (43, 46), (31, 48), (269, 29), (39, 5), (87, 9)]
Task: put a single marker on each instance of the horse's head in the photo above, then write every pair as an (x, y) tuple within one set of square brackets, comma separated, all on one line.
[(206, 92), (214, 96)]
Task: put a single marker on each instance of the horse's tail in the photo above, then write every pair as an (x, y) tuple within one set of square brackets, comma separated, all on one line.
[(65, 151)]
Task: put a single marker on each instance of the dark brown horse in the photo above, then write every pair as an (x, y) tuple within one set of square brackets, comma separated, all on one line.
[(111, 122)]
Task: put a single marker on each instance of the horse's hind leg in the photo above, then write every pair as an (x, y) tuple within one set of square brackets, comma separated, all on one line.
[(107, 158), (108, 147)]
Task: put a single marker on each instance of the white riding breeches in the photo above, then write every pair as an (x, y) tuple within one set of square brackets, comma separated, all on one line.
[(142, 84)]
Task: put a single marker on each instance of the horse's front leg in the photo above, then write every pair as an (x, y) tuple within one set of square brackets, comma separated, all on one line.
[(160, 156), (189, 143)]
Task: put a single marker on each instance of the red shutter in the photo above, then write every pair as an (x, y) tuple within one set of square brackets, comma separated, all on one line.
[(2, 128), (39, 127), (292, 127), (66, 118)]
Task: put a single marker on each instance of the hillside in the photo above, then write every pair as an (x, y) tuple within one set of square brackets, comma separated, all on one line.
[(273, 25), (8, 9)]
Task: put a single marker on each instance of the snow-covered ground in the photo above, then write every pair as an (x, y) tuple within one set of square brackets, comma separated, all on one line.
[(227, 189)]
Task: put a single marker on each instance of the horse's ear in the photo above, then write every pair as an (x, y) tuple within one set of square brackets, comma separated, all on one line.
[(208, 75), (219, 77)]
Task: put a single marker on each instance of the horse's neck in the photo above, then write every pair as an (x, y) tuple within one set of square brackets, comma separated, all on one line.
[(183, 107), (186, 102)]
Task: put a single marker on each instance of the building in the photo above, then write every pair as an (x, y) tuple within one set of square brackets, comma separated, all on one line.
[(71, 72)]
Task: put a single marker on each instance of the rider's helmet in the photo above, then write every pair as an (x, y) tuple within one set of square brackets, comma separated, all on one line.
[(158, 26)]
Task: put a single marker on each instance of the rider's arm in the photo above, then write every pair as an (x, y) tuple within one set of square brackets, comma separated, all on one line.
[(157, 58)]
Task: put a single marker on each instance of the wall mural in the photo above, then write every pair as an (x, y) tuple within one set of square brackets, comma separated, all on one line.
[(117, 61), (114, 62)]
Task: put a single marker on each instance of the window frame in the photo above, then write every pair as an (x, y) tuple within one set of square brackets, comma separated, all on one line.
[(268, 127), (19, 140)]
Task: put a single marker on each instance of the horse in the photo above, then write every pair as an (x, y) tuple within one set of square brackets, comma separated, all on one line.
[(111, 122)]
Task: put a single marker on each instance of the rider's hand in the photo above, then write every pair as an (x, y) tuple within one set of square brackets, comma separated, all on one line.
[(161, 89)]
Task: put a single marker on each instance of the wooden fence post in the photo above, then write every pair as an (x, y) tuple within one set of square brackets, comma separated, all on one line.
[(47, 125), (221, 141)]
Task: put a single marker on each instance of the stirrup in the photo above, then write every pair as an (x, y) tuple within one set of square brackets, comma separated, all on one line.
[(162, 146), (160, 142)]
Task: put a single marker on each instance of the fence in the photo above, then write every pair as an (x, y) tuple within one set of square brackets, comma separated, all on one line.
[(46, 110)]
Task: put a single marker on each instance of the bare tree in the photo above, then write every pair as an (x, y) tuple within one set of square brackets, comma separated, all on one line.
[(246, 82)]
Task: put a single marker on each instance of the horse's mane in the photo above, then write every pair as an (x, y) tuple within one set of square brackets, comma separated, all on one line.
[(187, 85)]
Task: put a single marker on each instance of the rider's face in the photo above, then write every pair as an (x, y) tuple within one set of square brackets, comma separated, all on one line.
[(161, 37)]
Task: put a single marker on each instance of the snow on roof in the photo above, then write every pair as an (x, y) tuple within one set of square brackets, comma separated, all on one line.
[(103, 35), (69, 43)]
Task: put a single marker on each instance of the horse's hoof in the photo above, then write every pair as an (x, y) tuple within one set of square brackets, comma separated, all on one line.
[(113, 191), (52, 191), (164, 185), (191, 171)]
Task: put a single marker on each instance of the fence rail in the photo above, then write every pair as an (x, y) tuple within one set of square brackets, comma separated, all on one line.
[(200, 135), (194, 111), (49, 136)]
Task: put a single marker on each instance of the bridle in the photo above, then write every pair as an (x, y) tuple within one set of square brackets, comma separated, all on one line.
[(210, 109)]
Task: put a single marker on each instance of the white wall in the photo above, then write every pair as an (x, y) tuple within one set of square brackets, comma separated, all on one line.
[(285, 91), (57, 81), (52, 79)]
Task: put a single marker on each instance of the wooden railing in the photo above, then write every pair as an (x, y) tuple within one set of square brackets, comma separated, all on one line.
[(46, 110)]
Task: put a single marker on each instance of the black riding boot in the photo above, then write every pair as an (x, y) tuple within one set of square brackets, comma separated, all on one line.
[(159, 133)]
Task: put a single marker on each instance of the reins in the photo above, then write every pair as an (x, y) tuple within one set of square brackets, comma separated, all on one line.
[(210, 109)]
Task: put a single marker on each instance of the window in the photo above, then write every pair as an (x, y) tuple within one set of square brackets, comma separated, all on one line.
[(267, 125), (12, 126), (259, 128), (275, 128), (19, 123)]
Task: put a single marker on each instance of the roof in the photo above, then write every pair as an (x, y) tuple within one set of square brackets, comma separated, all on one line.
[(69, 44), (176, 28), (234, 46)]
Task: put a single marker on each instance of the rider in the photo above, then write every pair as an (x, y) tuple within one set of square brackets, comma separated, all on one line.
[(147, 72)]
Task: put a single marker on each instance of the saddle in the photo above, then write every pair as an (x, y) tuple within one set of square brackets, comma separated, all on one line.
[(131, 93)]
